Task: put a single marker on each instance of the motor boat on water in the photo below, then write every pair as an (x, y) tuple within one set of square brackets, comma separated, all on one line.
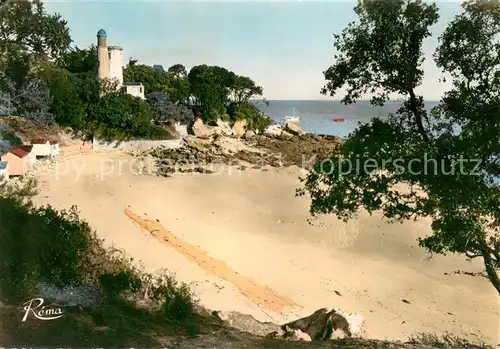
[(295, 119), (338, 120), (292, 118)]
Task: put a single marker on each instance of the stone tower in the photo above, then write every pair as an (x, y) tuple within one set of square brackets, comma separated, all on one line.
[(102, 54)]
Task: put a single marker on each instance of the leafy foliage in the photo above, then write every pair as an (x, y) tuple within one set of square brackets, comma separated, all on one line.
[(256, 120), (46, 80), (242, 89), (209, 87), (120, 116), (80, 61), (152, 80), (446, 172), (26, 29), (179, 90), (31, 99), (177, 71), (166, 110), (41, 244), (67, 106), (214, 88)]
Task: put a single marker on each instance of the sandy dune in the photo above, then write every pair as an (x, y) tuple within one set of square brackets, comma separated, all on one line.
[(243, 241)]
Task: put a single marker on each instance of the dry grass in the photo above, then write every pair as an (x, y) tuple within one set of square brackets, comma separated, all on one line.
[(447, 340), (25, 130)]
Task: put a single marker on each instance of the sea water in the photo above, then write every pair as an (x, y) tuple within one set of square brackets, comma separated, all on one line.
[(317, 116)]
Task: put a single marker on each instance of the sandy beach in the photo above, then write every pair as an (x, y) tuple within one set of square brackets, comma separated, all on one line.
[(245, 242)]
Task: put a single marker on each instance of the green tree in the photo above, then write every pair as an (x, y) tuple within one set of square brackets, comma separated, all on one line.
[(242, 89), (31, 99), (27, 30), (120, 116), (178, 90), (67, 106), (79, 61), (166, 110), (210, 87), (88, 87), (382, 55), (177, 70), (151, 79)]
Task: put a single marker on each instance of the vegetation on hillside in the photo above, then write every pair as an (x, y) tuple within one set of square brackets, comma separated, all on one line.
[(450, 173), (45, 79), (42, 245)]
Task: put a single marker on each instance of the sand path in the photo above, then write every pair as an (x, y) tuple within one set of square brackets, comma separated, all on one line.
[(261, 295), (271, 260)]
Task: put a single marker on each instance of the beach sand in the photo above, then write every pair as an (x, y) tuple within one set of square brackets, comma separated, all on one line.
[(244, 242)]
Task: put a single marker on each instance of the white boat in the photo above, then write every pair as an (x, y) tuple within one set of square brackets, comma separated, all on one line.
[(293, 118)]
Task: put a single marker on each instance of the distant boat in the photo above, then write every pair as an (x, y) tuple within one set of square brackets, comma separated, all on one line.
[(338, 120), (293, 118)]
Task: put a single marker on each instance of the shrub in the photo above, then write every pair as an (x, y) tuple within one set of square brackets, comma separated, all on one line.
[(120, 116), (8, 138), (256, 120), (446, 340), (178, 300), (41, 244), (166, 110)]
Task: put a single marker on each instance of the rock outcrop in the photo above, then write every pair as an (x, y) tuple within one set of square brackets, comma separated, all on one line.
[(239, 128), (205, 155), (223, 128), (249, 135), (199, 129), (293, 128), (247, 323), (273, 131), (324, 324)]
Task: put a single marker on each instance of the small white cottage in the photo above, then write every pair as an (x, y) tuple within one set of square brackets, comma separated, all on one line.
[(41, 147), (54, 147), (45, 147)]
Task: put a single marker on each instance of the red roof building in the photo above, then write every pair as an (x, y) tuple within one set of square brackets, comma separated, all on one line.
[(19, 160), (43, 141), (22, 151)]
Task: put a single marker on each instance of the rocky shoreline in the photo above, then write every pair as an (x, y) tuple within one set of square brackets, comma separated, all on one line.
[(277, 147)]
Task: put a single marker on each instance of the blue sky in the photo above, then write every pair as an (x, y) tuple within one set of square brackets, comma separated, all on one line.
[(283, 46)]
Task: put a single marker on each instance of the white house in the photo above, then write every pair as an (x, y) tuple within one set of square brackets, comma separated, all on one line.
[(41, 147), (54, 148), (4, 170), (135, 89), (45, 147)]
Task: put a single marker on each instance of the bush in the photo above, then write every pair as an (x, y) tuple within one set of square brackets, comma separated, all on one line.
[(8, 138), (57, 247), (446, 340), (120, 116), (178, 301), (166, 110), (256, 121)]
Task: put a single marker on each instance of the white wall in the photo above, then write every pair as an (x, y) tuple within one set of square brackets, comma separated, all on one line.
[(55, 150), (138, 145), (42, 149), (136, 91), (116, 65)]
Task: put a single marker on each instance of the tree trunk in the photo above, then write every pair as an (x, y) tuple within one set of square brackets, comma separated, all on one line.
[(490, 267), (418, 115)]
